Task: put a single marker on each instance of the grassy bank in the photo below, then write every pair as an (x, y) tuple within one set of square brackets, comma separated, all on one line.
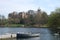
[(12, 25), (24, 25)]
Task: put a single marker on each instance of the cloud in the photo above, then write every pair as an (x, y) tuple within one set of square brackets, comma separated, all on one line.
[(7, 6)]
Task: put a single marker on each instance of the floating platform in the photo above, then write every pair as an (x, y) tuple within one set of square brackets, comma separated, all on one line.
[(7, 36)]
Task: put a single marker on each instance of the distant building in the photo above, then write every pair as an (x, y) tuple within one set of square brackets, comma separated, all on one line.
[(30, 12), (39, 12), (12, 15), (23, 15)]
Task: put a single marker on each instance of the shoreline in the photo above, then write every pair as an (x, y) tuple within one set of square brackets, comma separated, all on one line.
[(24, 27)]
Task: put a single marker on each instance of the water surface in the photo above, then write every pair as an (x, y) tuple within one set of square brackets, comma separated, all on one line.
[(45, 33)]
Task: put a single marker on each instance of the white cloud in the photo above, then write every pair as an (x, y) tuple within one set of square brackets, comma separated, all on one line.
[(7, 6)]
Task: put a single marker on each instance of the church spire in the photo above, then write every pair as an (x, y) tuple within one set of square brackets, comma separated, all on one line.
[(39, 9)]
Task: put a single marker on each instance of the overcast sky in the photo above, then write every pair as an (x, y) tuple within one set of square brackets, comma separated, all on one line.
[(7, 6)]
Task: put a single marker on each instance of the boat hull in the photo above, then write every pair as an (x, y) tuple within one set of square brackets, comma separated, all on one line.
[(27, 35)]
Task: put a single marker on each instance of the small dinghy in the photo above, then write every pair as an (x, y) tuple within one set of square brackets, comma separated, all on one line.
[(27, 35)]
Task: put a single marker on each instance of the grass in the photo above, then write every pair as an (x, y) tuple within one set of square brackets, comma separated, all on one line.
[(13, 25), (22, 25)]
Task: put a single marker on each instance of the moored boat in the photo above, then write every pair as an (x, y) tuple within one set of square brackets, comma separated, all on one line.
[(27, 35)]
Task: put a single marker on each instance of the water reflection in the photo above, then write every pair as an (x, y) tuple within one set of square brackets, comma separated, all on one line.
[(35, 38)]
